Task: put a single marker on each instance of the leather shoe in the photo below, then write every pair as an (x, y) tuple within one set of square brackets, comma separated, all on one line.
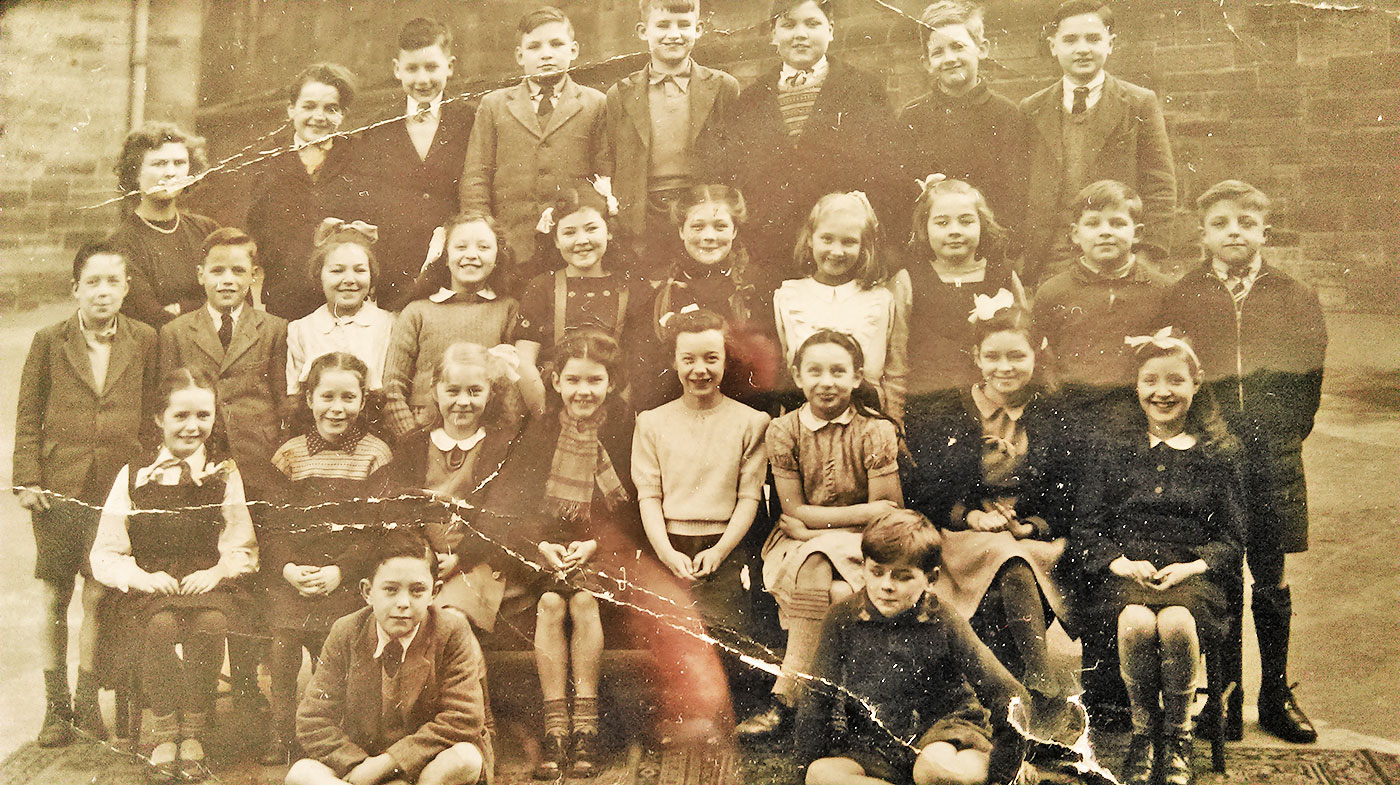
[(553, 753), (585, 755), (1280, 715), (775, 720), (1137, 764), (1175, 760)]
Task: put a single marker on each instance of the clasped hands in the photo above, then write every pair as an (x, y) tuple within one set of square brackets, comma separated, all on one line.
[(996, 516), (1145, 574), (312, 581), (165, 584), (564, 559)]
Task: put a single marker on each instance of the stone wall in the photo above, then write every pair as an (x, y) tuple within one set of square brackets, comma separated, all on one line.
[(1301, 101)]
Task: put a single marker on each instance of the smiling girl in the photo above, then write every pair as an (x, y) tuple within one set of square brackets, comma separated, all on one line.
[(847, 289), (466, 307)]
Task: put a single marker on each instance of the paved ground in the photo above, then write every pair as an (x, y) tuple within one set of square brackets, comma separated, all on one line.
[(1347, 640)]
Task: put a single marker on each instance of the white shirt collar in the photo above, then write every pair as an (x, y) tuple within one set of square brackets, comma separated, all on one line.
[(382, 639), (555, 90), (154, 472), (411, 107), (840, 291), (361, 318), (1181, 441), (1222, 270), (217, 315), (1095, 90), (988, 407), (443, 442), (817, 71), (444, 294), (812, 422)]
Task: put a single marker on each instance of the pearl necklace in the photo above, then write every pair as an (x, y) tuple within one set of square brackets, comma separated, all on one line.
[(171, 230)]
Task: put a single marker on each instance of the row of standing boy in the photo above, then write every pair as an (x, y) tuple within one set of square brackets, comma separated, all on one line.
[(839, 242)]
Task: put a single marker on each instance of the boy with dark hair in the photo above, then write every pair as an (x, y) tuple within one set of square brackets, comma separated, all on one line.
[(665, 126), (546, 130), (921, 699), (84, 397), (1092, 126), (399, 692), (407, 170), (1261, 339), (962, 128)]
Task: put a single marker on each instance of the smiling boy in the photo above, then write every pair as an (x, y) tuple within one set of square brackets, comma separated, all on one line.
[(1092, 126), (665, 127), (962, 128), (398, 692)]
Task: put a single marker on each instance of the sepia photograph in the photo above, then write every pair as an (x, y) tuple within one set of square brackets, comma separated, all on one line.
[(700, 392)]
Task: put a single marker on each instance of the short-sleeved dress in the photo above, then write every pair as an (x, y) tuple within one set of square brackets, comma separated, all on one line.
[(835, 463), (967, 451)]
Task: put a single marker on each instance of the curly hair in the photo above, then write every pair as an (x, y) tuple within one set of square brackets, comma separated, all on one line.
[(153, 136)]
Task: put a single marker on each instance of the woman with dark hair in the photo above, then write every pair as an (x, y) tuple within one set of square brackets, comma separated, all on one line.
[(163, 244), (302, 184)]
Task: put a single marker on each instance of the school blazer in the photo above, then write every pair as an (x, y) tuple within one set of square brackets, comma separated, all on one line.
[(514, 163), (1127, 141), (250, 376), (68, 437), (406, 196), (713, 95), (440, 695)]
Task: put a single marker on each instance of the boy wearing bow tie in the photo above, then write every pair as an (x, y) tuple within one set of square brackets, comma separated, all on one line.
[(83, 400)]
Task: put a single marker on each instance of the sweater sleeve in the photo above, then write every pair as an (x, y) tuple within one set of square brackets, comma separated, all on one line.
[(399, 370), (646, 463), (238, 548), (996, 688), (896, 381), (753, 468), (1092, 540)]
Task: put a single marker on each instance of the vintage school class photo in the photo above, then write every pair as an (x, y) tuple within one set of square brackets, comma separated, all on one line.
[(699, 392)]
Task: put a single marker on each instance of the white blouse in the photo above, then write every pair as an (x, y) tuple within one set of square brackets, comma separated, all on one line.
[(365, 335)]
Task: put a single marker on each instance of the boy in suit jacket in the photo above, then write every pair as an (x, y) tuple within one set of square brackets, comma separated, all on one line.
[(546, 130), (399, 692), (811, 126), (409, 169), (666, 126), (1090, 126), (83, 396)]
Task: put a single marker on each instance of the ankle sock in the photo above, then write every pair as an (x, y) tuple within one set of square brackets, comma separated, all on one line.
[(586, 715), (556, 717)]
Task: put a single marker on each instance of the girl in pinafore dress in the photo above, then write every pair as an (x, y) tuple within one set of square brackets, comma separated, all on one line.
[(1160, 545), (174, 539), (835, 467), (986, 463), (316, 546)]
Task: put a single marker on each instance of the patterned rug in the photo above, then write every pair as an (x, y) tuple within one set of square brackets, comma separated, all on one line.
[(90, 763)]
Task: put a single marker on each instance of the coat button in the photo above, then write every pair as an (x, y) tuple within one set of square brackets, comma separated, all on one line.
[(1158, 489), (1161, 467)]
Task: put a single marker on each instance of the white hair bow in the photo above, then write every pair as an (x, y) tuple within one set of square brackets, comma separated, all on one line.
[(1162, 339), (510, 359), (984, 307), (546, 222), (930, 181), (603, 185)]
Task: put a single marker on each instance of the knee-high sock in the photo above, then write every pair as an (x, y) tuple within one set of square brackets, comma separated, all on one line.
[(1025, 621)]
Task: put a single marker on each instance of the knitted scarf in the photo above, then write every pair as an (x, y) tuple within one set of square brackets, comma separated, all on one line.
[(580, 463)]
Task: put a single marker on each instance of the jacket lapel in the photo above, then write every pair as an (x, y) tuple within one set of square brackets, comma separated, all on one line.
[(634, 89), (1048, 120), (518, 104), (1107, 114), (565, 107), (123, 350), (417, 666), (245, 333), (206, 335), (75, 350), (704, 88)]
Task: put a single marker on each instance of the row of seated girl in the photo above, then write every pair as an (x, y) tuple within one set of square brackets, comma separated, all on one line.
[(988, 457)]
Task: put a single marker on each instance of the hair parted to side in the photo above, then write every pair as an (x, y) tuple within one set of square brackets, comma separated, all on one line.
[(542, 16), (644, 7), (403, 543), (1106, 195), (333, 74), (335, 361), (177, 379), (697, 195), (422, 32), (89, 250), (153, 136), (1237, 191), (590, 344), (473, 355), (570, 198), (697, 321), (952, 12), (903, 537), (1203, 419), (836, 337), (994, 235), (870, 266), (1077, 8), (781, 8), (230, 235)]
